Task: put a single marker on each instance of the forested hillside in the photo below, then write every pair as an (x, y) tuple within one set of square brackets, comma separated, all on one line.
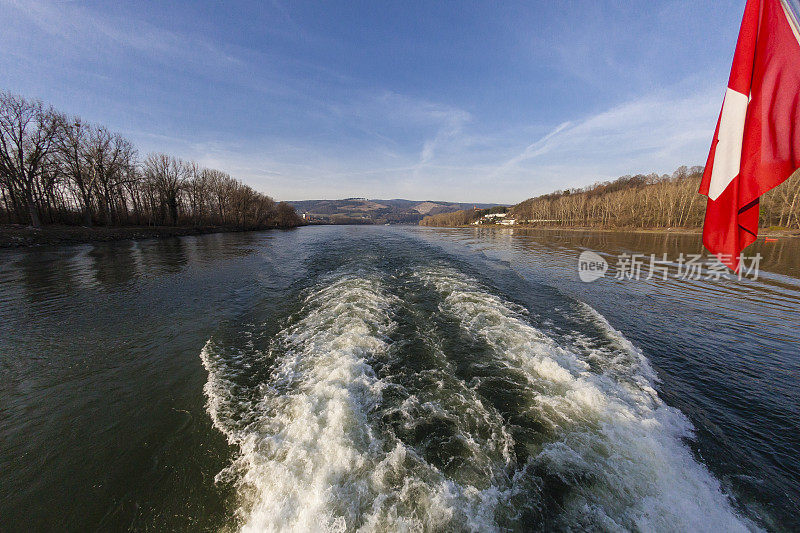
[(640, 201), (367, 211), (460, 218), (58, 169)]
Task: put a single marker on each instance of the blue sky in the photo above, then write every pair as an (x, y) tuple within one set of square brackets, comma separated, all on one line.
[(462, 101)]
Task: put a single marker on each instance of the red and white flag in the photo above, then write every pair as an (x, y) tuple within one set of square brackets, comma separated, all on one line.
[(757, 142)]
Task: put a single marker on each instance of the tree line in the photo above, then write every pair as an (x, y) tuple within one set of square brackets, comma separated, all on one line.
[(460, 218), (640, 201), (59, 169)]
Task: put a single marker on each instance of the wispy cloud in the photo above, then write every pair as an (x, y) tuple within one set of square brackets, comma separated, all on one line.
[(90, 30), (531, 151), (651, 133), (657, 132), (300, 119)]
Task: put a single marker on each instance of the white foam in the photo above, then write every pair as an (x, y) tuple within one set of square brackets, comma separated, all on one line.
[(310, 457), (619, 448), (315, 456)]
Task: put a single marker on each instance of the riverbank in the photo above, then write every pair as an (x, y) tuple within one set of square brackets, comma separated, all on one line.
[(762, 232), (13, 236)]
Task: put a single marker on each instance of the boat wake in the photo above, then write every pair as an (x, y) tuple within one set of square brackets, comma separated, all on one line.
[(423, 401)]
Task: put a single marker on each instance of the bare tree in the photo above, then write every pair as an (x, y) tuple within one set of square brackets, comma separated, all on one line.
[(27, 134), (639, 201), (110, 155), (59, 169), (76, 162), (168, 174)]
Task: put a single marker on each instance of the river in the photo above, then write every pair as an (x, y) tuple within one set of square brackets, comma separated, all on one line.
[(396, 378)]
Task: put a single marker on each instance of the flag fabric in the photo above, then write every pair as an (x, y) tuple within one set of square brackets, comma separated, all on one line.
[(757, 141)]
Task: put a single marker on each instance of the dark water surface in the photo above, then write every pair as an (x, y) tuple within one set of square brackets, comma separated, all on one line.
[(382, 379)]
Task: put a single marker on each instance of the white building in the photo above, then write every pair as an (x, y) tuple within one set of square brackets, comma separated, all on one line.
[(495, 218)]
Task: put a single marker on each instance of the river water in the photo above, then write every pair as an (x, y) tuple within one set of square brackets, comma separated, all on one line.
[(387, 378)]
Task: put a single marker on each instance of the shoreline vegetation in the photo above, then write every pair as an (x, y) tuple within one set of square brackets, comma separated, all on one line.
[(65, 180), (763, 232), (630, 203)]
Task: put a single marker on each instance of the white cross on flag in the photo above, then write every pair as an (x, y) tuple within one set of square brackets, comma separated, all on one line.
[(757, 142)]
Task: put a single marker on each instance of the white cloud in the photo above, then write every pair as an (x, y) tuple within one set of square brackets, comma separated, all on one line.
[(345, 137), (657, 132), (89, 31)]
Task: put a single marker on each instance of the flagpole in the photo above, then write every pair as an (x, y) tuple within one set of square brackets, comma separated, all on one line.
[(791, 16)]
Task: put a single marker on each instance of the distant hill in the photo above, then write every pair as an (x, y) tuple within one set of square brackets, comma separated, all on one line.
[(366, 211), (640, 201)]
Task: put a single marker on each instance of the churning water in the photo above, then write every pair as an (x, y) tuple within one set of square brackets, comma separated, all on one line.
[(371, 379)]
